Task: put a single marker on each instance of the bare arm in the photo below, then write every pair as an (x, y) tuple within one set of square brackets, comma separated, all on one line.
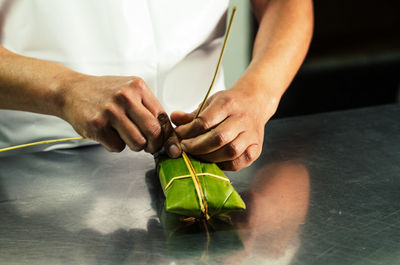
[(281, 43), (30, 84), (230, 129)]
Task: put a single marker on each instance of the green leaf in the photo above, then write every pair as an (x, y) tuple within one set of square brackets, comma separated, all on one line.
[(181, 196)]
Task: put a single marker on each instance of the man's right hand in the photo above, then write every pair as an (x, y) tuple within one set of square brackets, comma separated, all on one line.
[(115, 111)]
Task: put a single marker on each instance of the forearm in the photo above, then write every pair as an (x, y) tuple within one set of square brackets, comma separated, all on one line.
[(114, 110), (32, 85), (281, 43)]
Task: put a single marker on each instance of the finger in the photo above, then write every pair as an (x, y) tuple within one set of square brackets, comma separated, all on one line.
[(214, 139), (246, 159), (143, 108), (129, 133), (230, 151), (179, 117), (149, 127), (147, 124), (147, 97), (171, 141), (111, 140), (100, 130), (211, 116)]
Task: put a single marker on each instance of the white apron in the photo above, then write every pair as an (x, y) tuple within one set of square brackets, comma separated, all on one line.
[(173, 45)]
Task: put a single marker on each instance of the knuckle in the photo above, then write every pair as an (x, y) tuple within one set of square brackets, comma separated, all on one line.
[(203, 123), (233, 150), (139, 84), (122, 94), (250, 155), (139, 81), (220, 138), (98, 122), (229, 102), (153, 130), (136, 142), (139, 144), (111, 110)]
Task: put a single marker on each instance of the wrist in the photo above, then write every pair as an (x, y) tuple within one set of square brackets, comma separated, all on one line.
[(262, 94), (63, 87)]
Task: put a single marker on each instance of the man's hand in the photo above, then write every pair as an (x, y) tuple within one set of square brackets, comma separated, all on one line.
[(115, 111), (230, 129)]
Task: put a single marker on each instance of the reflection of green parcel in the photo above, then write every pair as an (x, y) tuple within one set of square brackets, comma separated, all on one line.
[(206, 194), (199, 239)]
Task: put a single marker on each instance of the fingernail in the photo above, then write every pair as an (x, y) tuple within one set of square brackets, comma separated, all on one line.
[(173, 151), (163, 117)]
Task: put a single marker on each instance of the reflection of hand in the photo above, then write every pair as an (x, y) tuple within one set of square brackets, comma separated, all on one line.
[(230, 129), (115, 111), (277, 201)]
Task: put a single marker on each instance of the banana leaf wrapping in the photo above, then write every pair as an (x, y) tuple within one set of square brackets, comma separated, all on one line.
[(182, 196)]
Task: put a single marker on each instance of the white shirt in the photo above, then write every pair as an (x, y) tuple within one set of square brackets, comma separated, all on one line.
[(173, 45)]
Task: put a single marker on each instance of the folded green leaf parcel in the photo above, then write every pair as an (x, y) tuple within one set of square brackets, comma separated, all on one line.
[(196, 189)]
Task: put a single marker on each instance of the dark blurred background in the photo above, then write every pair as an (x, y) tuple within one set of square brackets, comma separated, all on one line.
[(353, 61)]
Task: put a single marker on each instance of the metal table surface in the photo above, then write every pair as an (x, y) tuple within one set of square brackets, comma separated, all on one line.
[(326, 190)]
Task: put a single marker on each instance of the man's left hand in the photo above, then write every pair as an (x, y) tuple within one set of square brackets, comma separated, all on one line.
[(230, 129)]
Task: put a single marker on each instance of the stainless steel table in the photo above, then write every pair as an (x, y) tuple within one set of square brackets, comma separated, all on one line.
[(326, 190)]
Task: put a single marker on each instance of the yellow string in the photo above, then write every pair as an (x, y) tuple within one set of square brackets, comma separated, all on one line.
[(197, 114), (198, 174), (228, 32), (39, 143), (197, 186), (196, 181)]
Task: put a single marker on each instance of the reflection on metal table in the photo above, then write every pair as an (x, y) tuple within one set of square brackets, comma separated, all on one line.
[(326, 190)]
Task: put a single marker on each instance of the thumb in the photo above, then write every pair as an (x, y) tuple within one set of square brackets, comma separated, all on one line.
[(180, 118), (171, 141)]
